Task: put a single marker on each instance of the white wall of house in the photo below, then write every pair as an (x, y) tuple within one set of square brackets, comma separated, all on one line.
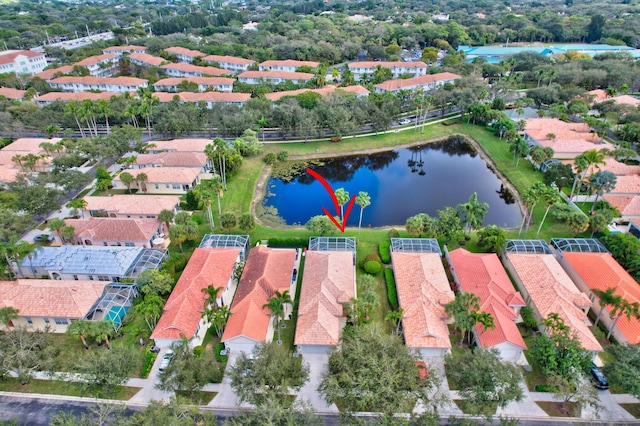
[(314, 349), (241, 344), (432, 352), (56, 325)]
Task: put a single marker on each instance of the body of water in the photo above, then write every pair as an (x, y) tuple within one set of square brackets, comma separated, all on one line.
[(401, 183)]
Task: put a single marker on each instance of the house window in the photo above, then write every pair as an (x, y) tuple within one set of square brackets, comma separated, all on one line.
[(75, 277), (129, 244), (103, 278), (167, 185), (156, 186), (104, 243), (176, 186), (46, 320), (61, 321), (150, 216), (28, 320)]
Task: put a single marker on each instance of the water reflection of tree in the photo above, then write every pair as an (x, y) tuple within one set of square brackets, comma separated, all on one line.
[(506, 195), (454, 146), (342, 169), (415, 163)]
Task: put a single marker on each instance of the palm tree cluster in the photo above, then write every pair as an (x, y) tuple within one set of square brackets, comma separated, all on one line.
[(277, 305), (215, 313), (15, 251), (99, 331), (620, 307), (466, 313)]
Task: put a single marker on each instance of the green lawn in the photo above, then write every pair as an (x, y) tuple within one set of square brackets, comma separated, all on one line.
[(554, 409), (488, 410), (633, 409), (196, 397), (57, 387)]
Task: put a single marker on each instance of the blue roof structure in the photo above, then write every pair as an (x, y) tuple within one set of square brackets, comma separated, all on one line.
[(494, 54)]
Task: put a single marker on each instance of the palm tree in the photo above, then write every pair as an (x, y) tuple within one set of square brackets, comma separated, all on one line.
[(166, 216), (82, 329), (474, 212), (142, 179), (581, 164), (104, 107), (550, 197), (211, 294), (520, 148), (218, 317), (73, 108), (600, 183), (343, 198), (396, 318), (7, 315), (102, 330), (624, 308), (607, 298), (177, 235), (127, 178), (56, 224), (363, 200), (78, 204), (594, 159), (277, 305)]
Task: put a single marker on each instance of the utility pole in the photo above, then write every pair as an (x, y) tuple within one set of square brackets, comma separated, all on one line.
[(87, 27)]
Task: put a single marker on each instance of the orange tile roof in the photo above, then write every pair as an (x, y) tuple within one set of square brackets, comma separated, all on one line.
[(148, 59), (387, 64), (196, 69), (627, 205), (614, 166), (324, 91), (416, 81), (211, 81), (289, 63), (627, 184), (552, 291), (51, 72), (228, 59), (124, 48), (74, 96), (8, 174), (327, 283), (96, 59), (114, 229), (601, 271), (51, 298), (122, 81), (224, 97), (184, 51), (266, 270), (26, 145), (285, 75), (484, 275), (133, 204), (9, 56), (423, 290), (184, 175), (552, 125), (174, 159), (196, 145), (11, 93), (599, 94), (183, 310)]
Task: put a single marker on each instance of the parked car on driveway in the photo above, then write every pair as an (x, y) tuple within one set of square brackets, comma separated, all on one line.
[(166, 359), (43, 238), (598, 378)]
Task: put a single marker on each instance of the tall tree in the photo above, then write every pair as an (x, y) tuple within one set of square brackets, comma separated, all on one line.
[(141, 179), (80, 328), (474, 212), (550, 197), (178, 236), (7, 315), (127, 178), (246, 222), (277, 304), (606, 298), (520, 148), (626, 309), (363, 200), (228, 221), (601, 182), (78, 204), (166, 216), (343, 198)]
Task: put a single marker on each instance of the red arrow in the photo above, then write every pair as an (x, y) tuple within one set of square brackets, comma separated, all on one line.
[(335, 202)]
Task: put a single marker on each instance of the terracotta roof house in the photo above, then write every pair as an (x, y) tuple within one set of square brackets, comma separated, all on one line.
[(266, 271), (598, 270), (483, 275), (398, 68), (209, 98), (104, 65), (614, 166), (627, 205), (288, 65), (22, 62), (28, 145), (547, 288), (327, 283), (567, 139), (164, 180), (90, 263), (274, 77), (220, 84), (601, 96), (100, 231), (51, 73), (173, 159), (53, 303), (424, 82), (231, 63), (423, 291), (146, 60), (185, 145), (113, 84), (11, 94), (627, 184), (121, 50), (184, 55), (324, 91), (188, 70), (182, 314), (126, 206), (50, 97)]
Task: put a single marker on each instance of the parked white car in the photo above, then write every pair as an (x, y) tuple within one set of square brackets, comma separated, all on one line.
[(166, 359), (404, 121)]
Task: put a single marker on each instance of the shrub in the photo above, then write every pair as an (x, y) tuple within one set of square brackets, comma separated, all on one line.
[(216, 351), (270, 158), (392, 293), (197, 351), (545, 388), (384, 248), (393, 233), (282, 155), (372, 267), (149, 359), (288, 242), (371, 256), (197, 219)]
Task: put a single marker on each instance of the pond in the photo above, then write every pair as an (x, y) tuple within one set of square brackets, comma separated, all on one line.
[(401, 183)]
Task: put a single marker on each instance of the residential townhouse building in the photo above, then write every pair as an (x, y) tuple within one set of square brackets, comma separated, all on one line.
[(288, 65), (100, 231), (105, 65), (218, 84), (51, 73), (11, 94), (125, 206), (146, 60), (50, 97), (230, 63), (358, 90), (124, 50), (22, 62), (425, 83), (188, 70), (274, 77), (197, 160), (398, 68), (208, 98), (113, 84), (165, 180), (184, 55), (183, 145)]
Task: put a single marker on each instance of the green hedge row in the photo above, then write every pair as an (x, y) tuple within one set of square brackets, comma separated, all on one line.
[(288, 242), (392, 293), (149, 359), (216, 351), (384, 248)]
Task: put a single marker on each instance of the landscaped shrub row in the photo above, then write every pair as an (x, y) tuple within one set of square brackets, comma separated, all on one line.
[(288, 242), (372, 267), (392, 293), (149, 359), (384, 248), (216, 351)]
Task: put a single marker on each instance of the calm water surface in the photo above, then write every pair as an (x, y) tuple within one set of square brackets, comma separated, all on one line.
[(401, 183)]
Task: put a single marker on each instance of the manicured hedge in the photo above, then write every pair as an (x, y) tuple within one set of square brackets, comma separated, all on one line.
[(149, 359), (372, 267), (392, 293), (385, 252), (393, 233), (288, 242), (216, 351)]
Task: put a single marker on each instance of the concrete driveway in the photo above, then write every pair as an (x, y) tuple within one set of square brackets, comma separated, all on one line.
[(317, 365), (526, 407), (435, 365), (226, 397), (149, 391)]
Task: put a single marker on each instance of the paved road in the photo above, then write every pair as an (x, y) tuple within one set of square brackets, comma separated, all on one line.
[(37, 411)]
